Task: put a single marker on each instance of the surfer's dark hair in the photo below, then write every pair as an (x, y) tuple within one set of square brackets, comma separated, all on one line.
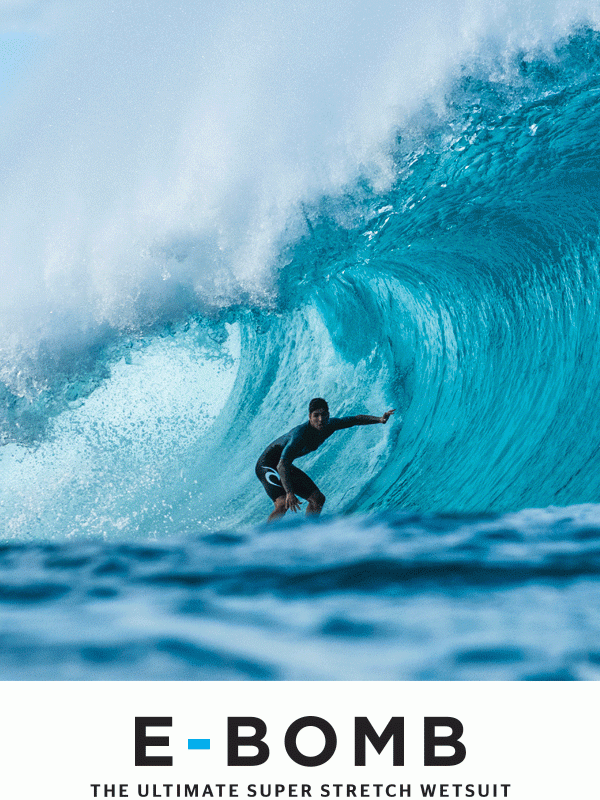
[(317, 403)]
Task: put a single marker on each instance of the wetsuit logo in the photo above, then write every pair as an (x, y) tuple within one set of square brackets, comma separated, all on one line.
[(272, 476)]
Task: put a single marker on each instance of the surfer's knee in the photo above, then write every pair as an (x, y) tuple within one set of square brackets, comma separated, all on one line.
[(317, 500)]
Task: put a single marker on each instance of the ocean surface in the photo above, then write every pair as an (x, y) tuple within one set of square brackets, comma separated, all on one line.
[(210, 218)]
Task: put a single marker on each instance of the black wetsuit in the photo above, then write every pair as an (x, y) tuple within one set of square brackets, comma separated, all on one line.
[(295, 443)]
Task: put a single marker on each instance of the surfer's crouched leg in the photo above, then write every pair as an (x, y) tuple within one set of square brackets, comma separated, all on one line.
[(315, 503), (279, 509)]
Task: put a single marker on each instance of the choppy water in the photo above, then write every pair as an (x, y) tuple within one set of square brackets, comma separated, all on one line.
[(395, 597), (167, 315)]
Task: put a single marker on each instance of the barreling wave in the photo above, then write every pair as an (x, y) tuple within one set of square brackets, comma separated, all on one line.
[(462, 292)]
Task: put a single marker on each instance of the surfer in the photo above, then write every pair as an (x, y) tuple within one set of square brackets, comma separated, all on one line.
[(282, 481)]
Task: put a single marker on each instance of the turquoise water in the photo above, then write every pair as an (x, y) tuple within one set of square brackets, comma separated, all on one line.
[(453, 276)]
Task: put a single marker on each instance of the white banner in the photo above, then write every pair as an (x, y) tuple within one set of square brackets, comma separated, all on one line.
[(76, 741)]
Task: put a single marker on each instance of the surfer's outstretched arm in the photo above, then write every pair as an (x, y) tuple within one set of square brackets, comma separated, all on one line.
[(364, 419)]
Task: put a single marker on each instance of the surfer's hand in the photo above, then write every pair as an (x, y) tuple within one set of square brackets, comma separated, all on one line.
[(386, 416), (292, 502)]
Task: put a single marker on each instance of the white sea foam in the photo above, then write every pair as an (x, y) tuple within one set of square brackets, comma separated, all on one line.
[(158, 146)]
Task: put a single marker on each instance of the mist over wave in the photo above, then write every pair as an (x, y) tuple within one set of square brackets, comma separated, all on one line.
[(157, 157)]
